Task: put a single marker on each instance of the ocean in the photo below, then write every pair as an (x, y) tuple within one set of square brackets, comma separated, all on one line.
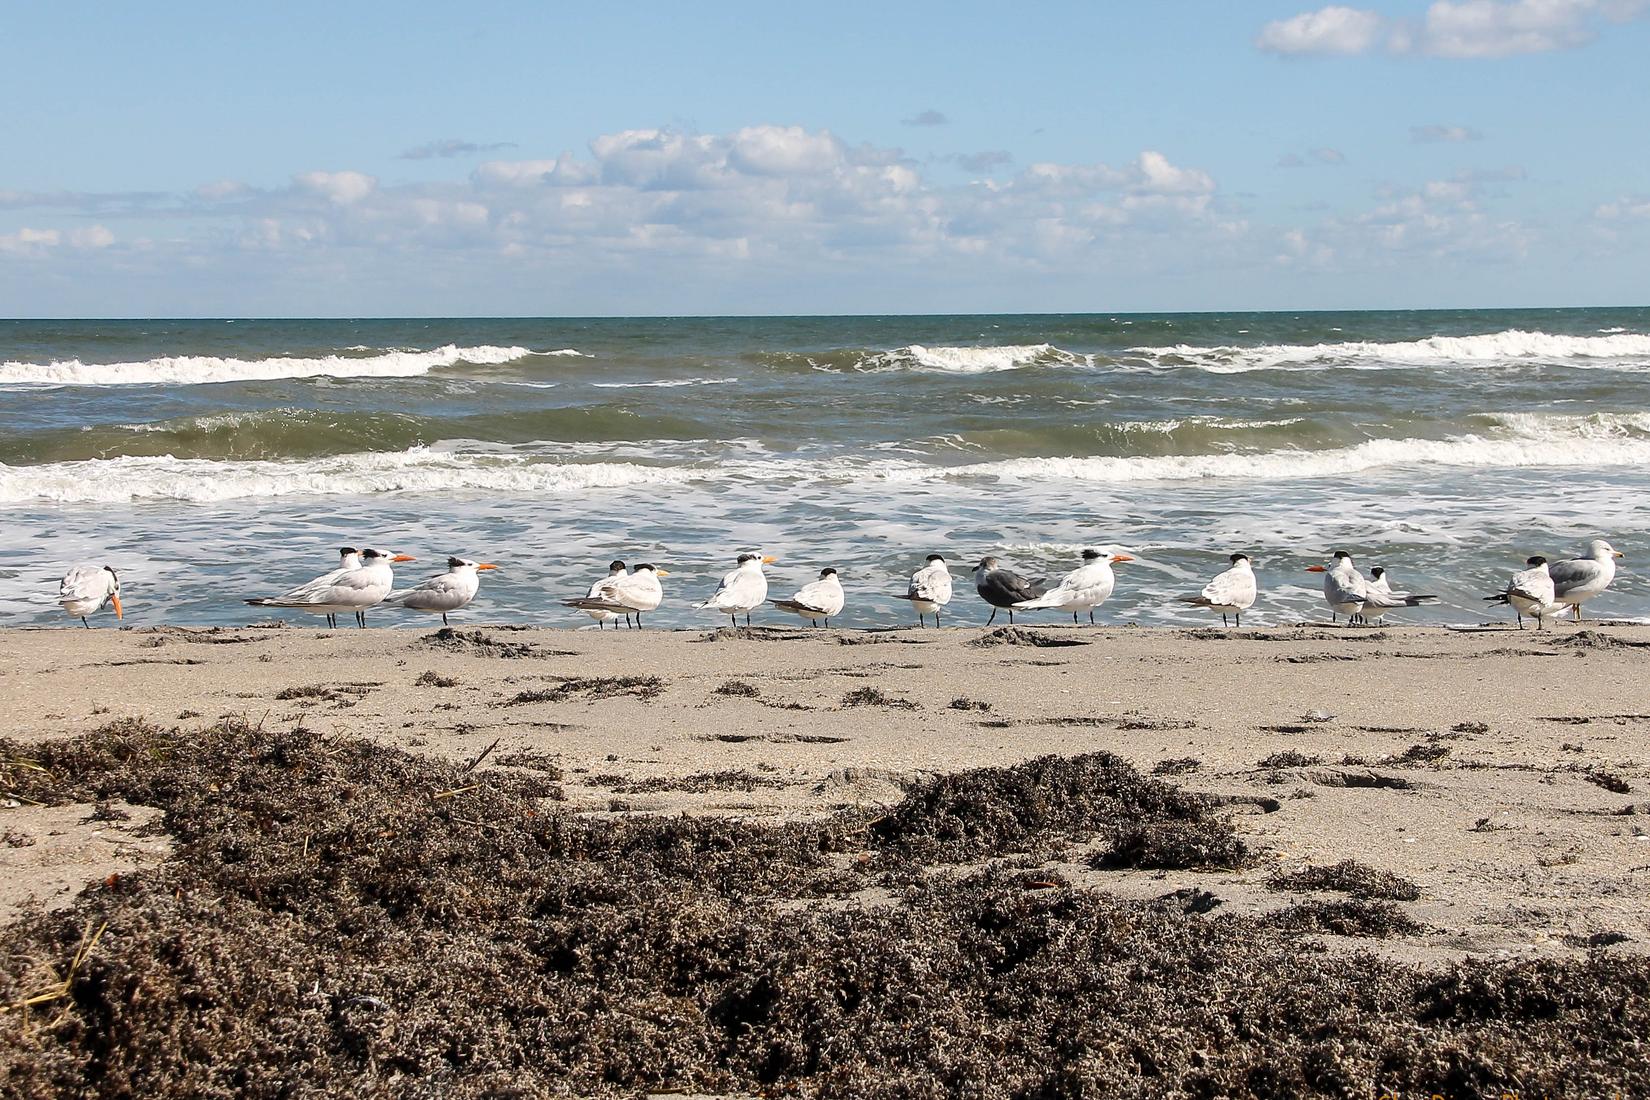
[(209, 461)]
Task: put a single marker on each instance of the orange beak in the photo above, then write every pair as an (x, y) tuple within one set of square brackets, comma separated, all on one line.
[(769, 560), (1115, 558), (485, 565), (119, 614), (403, 557), (661, 572), (1316, 569)]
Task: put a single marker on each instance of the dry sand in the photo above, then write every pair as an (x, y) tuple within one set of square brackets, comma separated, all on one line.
[(1502, 772)]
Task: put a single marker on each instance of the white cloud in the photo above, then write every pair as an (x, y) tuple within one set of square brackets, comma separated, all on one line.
[(1624, 208), (343, 188), (1424, 135), (1451, 28), (929, 117), (27, 241), (1331, 30)]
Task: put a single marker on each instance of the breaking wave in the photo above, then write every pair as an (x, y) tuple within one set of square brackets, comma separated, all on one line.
[(1511, 346), (189, 370)]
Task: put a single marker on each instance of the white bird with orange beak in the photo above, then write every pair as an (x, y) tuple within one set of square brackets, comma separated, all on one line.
[(88, 589), (444, 592), (743, 590), (1083, 589), (352, 590), (624, 593)]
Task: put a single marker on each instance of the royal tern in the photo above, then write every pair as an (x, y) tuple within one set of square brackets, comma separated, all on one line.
[(1003, 588), (343, 590), (741, 591), (602, 615), (930, 589), (1379, 585), (349, 558), (625, 594), (1530, 592), (1577, 580), (88, 589), (1230, 593), (444, 592), (817, 599), (1348, 592), (1083, 589)]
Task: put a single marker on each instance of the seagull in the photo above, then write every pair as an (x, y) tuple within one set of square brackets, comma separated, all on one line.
[(930, 589), (443, 592), (343, 590), (1379, 586), (1530, 592), (1083, 589), (1349, 593), (624, 593), (1577, 580), (816, 600), (743, 590), (602, 616), (1003, 588), (1230, 593), (88, 589)]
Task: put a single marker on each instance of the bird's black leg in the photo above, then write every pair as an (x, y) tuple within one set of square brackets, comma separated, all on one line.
[(993, 618), (1011, 616), (1074, 618), (747, 618), (1223, 621), (84, 623), (936, 618), (638, 620), (1091, 616), (443, 618), (920, 620)]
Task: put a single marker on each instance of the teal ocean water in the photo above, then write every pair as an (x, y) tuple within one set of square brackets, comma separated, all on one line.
[(212, 460)]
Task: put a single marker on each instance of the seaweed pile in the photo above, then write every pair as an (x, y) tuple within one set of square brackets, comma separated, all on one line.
[(340, 918)]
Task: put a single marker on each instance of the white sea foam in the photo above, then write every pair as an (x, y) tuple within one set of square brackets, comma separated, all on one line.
[(187, 370), (971, 360), (1512, 346), (418, 470), (663, 383), (437, 469)]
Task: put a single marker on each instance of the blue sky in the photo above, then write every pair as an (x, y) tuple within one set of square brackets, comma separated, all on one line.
[(422, 158)]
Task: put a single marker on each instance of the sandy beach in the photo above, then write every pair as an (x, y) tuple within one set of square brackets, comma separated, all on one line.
[(1489, 785), (1503, 772)]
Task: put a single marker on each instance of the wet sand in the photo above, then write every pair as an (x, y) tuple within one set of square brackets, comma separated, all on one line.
[(1505, 774)]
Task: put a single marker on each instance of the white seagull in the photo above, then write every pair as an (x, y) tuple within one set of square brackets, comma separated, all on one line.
[(624, 593), (1083, 589), (1577, 580), (343, 590), (930, 589), (349, 559), (444, 592), (741, 591), (816, 600), (1530, 592), (1231, 592), (88, 589)]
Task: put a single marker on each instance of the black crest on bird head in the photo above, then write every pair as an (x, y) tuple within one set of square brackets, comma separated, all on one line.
[(1339, 554), (454, 563), (345, 551), (743, 558), (934, 557), (827, 572), (1377, 572), (1537, 560), (1235, 558), (649, 566), (615, 566)]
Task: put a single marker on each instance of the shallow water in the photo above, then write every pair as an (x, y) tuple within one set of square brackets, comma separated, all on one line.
[(211, 460)]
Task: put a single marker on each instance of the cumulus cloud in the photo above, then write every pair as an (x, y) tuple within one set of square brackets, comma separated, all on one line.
[(453, 147), (1332, 30), (1321, 155), (1626, 208), (343, 188), (929, 117), (1451, 28), (27, 241), (1427, 135), (987, 160)]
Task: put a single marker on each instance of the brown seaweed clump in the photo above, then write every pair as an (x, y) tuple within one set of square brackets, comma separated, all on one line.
[(1349, 877), (344, 919)]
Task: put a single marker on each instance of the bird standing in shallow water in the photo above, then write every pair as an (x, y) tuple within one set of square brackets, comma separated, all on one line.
[(1231, 592), (1002, 588)]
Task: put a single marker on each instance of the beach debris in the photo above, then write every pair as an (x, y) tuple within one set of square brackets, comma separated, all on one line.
[(591, 689), (1019, 635), (1611, 782), (479, 643), (1288, 758), (1347, 877), (1178, 766), (1318, 714), (433, 678), (599, 955), (1370, 919), (742, 689), (875, 697)]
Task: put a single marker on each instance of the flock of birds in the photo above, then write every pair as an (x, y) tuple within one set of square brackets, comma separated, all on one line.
[(365, 580)]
